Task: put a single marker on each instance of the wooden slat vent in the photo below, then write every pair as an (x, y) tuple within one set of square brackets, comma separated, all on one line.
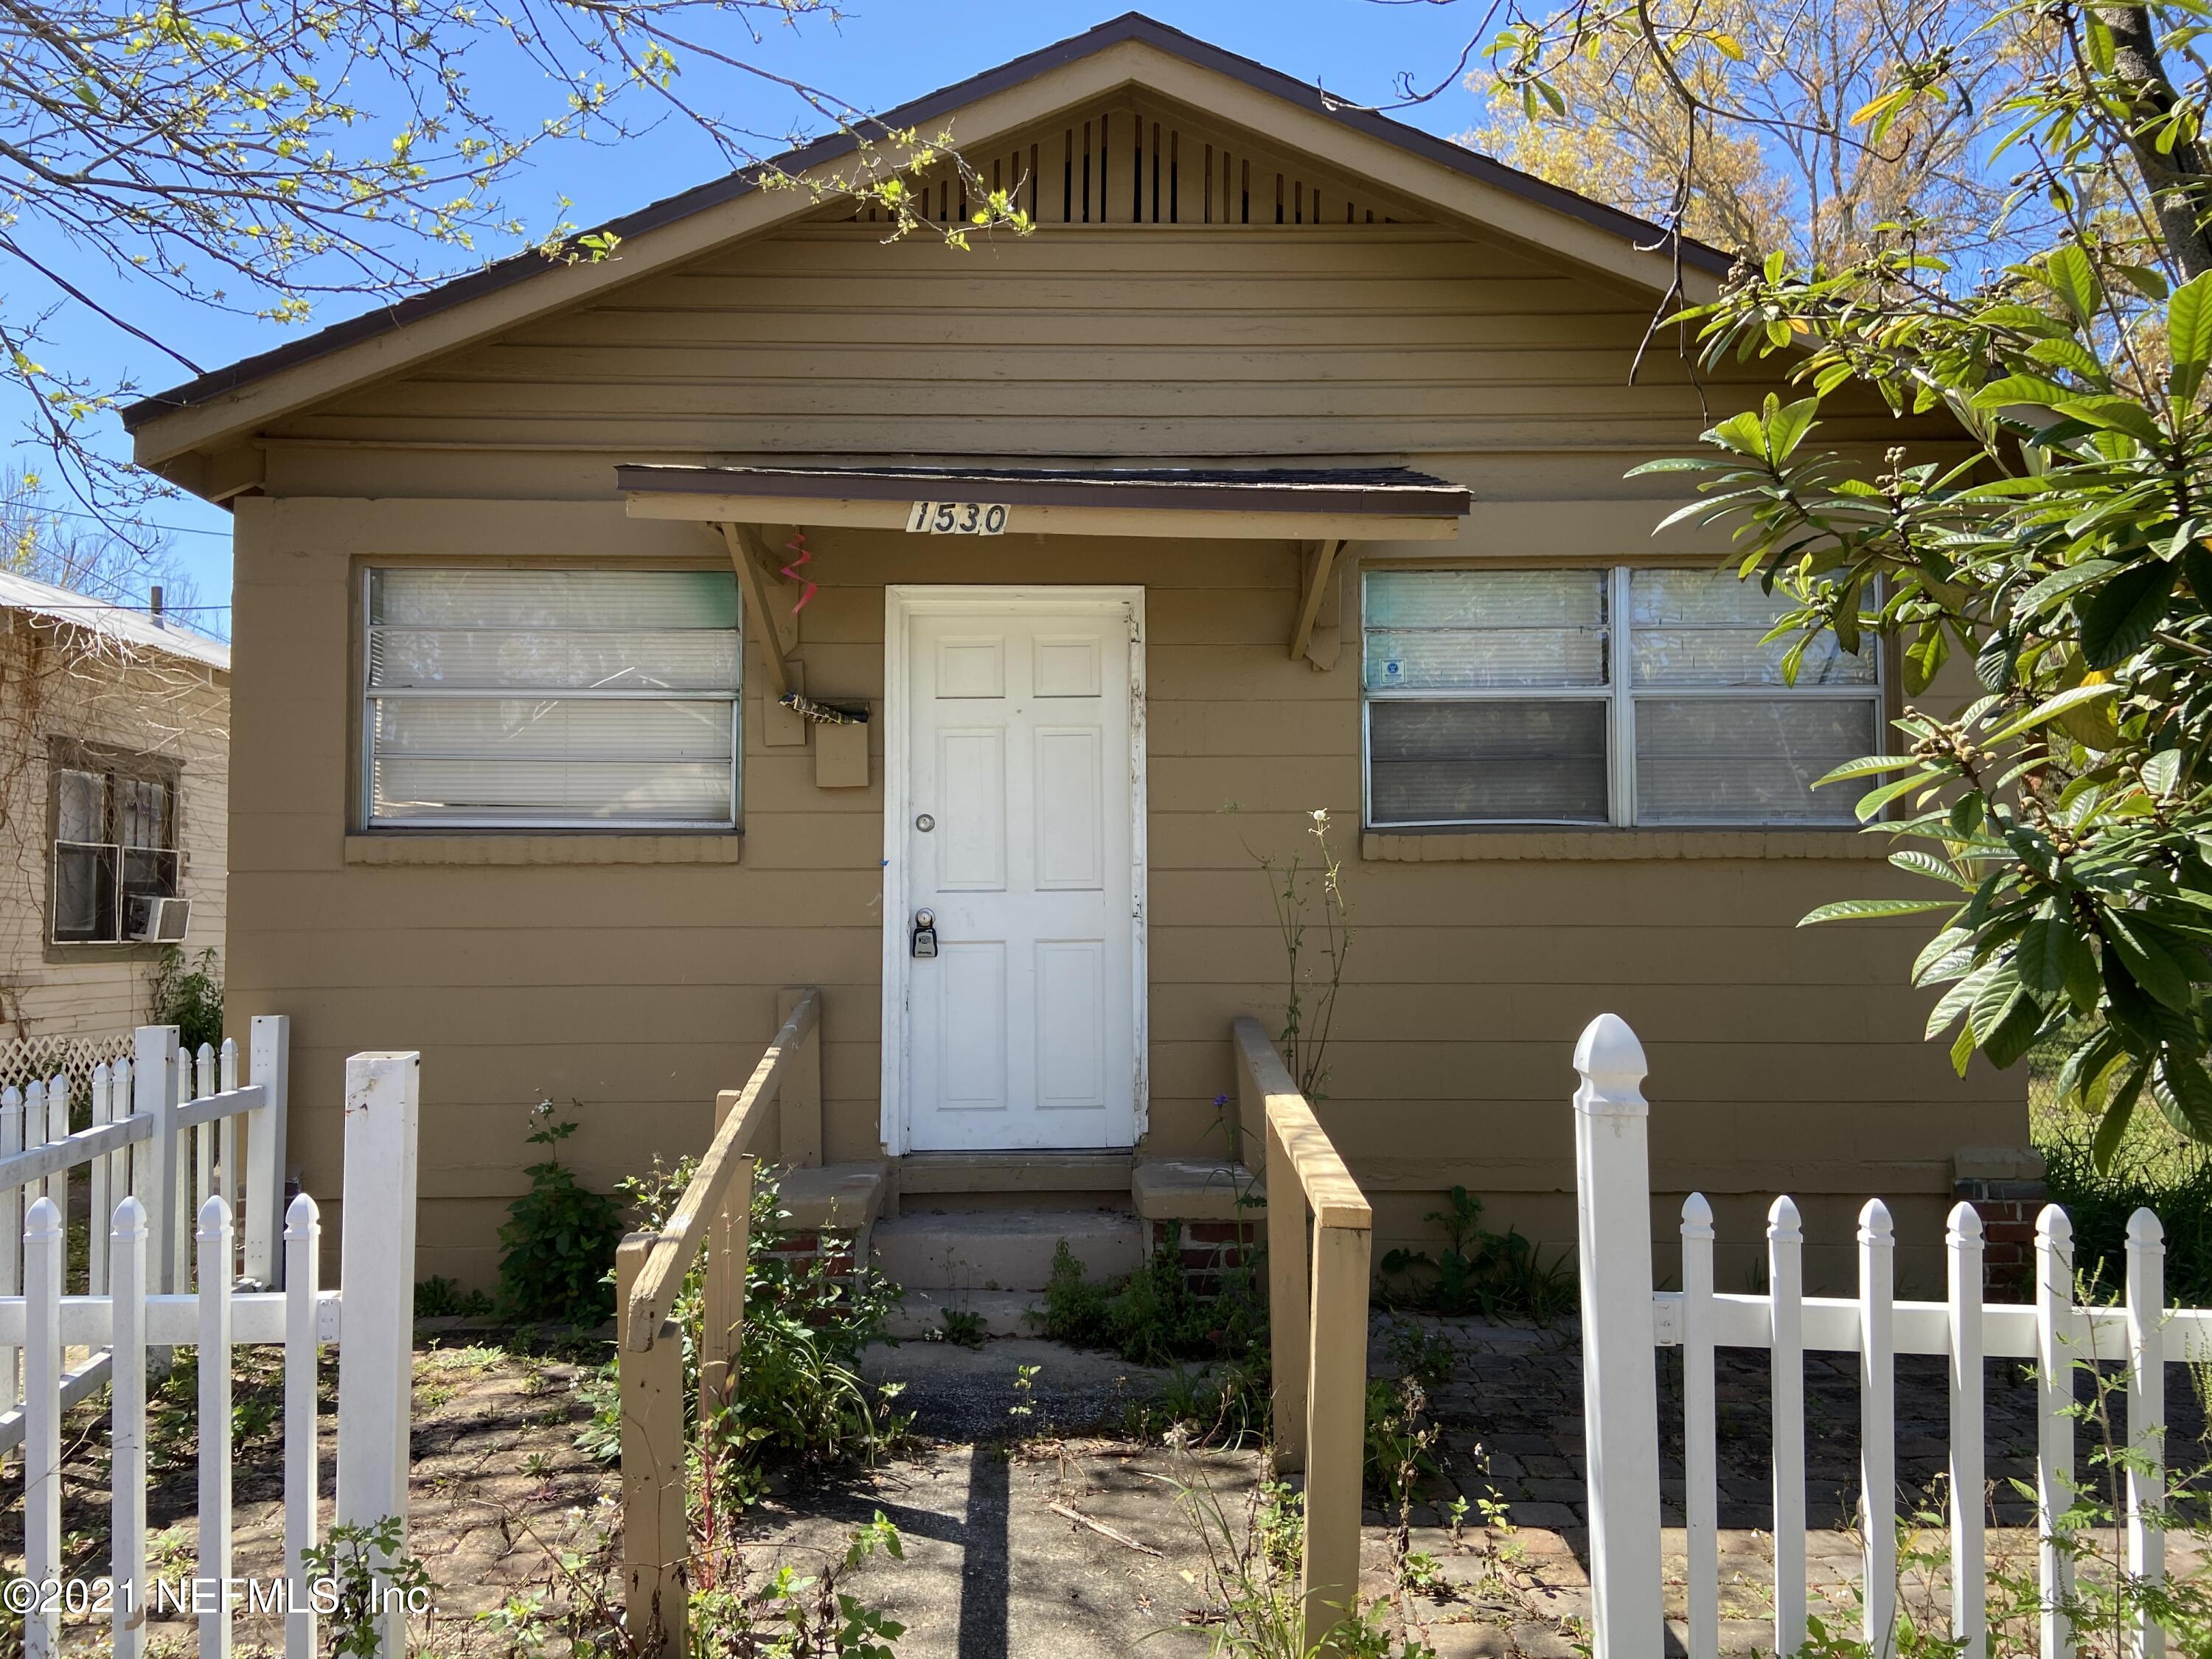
[(1126, 165)]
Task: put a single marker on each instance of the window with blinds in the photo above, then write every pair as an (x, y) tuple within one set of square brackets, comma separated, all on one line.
[(551, 699), (1616, 697)]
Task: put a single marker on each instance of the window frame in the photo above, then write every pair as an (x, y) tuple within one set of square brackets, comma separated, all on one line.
[(116, 766), (365, 817), (1619, 694)]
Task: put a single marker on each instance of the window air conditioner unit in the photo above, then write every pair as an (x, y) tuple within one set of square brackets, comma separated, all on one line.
[(163, 921)]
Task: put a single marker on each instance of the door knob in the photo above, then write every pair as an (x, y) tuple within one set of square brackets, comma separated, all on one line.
[(925, 934)]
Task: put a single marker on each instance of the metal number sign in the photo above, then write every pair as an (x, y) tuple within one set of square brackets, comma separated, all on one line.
[(957, 518)]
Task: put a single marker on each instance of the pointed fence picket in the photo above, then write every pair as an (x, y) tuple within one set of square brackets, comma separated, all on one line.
[(1622, 1313), (137, 1316)]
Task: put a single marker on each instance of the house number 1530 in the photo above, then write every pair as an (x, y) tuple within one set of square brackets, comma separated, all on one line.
[(957, 518)]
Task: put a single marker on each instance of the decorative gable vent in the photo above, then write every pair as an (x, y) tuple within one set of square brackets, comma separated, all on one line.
[(1144, 162)]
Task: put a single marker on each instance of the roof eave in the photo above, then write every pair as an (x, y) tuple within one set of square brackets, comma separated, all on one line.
[(227, 402)]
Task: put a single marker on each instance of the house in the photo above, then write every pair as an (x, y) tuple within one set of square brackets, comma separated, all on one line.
[(114, 742), (1280, 469)]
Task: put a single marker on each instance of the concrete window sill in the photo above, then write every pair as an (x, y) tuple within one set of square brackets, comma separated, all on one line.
[(500, 848), (1480, 846)]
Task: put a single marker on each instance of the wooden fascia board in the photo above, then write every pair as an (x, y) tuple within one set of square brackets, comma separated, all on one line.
[(1184, 524), (384, 356)]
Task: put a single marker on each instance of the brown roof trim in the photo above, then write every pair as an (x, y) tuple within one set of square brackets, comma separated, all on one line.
[(1130, 26), (1384, 490)]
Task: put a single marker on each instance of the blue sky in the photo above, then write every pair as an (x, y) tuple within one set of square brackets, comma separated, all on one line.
[(884, 53)]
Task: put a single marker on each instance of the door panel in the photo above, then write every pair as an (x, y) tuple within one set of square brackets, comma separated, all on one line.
[(1021, 1031)]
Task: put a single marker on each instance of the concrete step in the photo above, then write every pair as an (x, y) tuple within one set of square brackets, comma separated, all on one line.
[(1003, 1249), (921, 1315)]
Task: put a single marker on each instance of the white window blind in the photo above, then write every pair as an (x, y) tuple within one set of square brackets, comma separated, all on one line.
[(1600, 696), (551, 699)]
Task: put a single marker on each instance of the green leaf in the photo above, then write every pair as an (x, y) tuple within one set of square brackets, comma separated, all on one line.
[(1915, 862), (2015, 1034), (2077, 969), (2189, 337), (2147, 960), (2000, 995), (1867, 767), (2033, 390), (1858, 909), (2036, 958), (2185, 1079), (2063, 582), (2073, 280), (1873, 800), (2113, 1128), (2115, 414), (2051, 707), (1787, 426), (2117, 621), (2162, 771), (2197, 566)]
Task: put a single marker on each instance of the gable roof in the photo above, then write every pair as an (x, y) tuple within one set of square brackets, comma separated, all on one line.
[(1586, 230), (133, 629)]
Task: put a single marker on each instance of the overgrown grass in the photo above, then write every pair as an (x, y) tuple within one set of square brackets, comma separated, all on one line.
[(2156, 1168), (1154, 1318)]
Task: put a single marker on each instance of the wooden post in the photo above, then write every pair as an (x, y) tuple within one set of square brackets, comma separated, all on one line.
[(1336, 1424), (1286, 1300), (216, 1266), (656, 1542), (154, 1081), (1620, 1381), (1785, 1293), (722, 1313), (126, 1514), (269, 1051), (800, 1120), (45, 1249), (1969, 1467), (376, 1285), (1701, 1432), (2056, 1344), (303, 1239), (1878, 1426), (2146, 1470)]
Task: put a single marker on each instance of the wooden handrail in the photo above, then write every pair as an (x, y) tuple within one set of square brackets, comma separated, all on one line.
[(1317, 1317), (680, 1238), (1334, 1195)]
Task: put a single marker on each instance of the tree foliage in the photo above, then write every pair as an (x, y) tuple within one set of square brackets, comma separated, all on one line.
[(1741, 131), (2063, 817)]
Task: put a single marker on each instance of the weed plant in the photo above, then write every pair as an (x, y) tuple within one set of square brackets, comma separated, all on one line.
[(1497, 1275)]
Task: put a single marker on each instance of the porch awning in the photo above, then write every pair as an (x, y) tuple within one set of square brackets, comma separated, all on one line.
[(1265, 503)]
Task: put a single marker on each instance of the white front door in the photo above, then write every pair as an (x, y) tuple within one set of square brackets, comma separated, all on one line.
[(1013, 780)]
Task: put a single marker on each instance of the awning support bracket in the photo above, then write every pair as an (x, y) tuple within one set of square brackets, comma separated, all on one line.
[(775, 627), (1315, 633)]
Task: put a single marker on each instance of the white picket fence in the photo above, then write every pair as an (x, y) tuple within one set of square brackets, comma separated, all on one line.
[(1625, 1321), (165, 1128), (370, 1316)]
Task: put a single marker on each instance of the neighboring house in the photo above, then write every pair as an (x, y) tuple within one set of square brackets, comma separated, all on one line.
[(1282, 469), (114, 784)]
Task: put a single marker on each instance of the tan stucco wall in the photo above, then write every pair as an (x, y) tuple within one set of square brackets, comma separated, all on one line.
[(1779, 1057), (56, 683)]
